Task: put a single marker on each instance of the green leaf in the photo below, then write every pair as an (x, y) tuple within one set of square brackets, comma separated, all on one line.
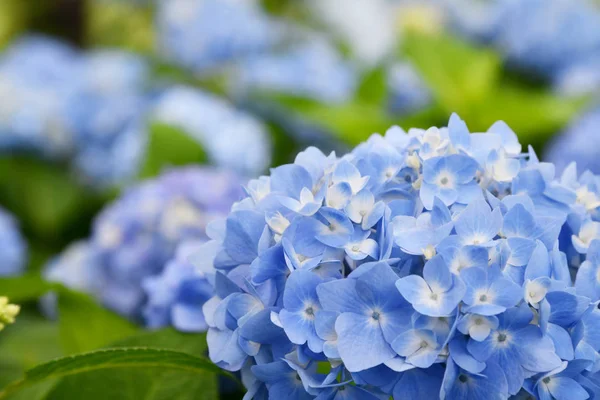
[(170, 146), (30, 341), (120, 24), (459, 75), (148, 384), (117, 358), (50, 204), (373, 87), (85, 325), (25, 288)]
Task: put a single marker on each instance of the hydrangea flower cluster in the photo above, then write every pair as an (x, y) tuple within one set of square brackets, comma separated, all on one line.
[(207, 34), (429, 264), (135, 237), (313, 70), (13, 253), (91, 109), (81, 107), (231, 137), (110, 135), (36, 81), (574, 144), (408, 92)]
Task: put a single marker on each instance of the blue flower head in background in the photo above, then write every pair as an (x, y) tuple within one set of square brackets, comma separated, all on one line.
[(424, 264), (39, 79), (110, 134), (313, 70), (232, 138), (408, 90), (135, 237), (13, 252), (206, 34), (83, 108)]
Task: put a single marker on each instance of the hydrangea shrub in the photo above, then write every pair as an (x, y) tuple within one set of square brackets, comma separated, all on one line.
[(424, 264)]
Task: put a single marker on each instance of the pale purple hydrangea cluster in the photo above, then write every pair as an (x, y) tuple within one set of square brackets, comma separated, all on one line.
[(424, 264), (127, 261)]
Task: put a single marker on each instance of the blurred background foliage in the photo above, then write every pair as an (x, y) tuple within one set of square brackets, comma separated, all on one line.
[(246, 85)]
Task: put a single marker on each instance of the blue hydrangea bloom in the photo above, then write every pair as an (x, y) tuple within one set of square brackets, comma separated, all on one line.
[(430, 264), (574, 144), (110, 135), (137, 237), (83, 108), (13, 255), (408, 91), (313, 70), (232, 138), (39, 79), (207, 34)]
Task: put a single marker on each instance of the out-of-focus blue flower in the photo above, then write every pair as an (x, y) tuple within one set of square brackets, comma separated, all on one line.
[(206, 34), (176, 296), (134, 239), (575, 144), (39, 79), (314, 70), (13, 253), (408, 91), (429, 264), (110, 134), (232, 138), (84, 108)]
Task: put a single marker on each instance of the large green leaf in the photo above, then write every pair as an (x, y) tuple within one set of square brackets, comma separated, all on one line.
[(111, 359), (85, 325), (170, 146), (460, 76), (145, 384)]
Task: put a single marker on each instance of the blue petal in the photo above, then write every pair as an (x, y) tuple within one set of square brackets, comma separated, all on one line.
[(269, 265), (340, 296), (539, 264), (437, 274), (461, 356), (244, 229), (563, 388), (418, 384), (562, 341), (518, 222), (478, 222), (361, 343), (290, 179), (566, 308)]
